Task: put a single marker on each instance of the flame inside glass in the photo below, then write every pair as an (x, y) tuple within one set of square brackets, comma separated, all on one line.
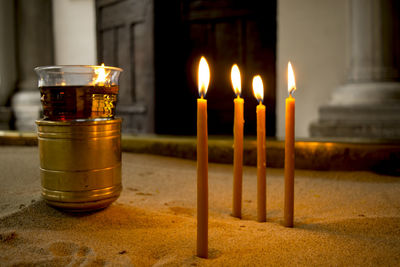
[(78, 92)]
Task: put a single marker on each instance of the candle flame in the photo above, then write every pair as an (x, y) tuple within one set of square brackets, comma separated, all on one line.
[(291, 80), (235, 78), (101, 75), (258, 88), (204, 77)]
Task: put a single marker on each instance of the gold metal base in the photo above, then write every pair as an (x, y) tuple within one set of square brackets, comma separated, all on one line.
[(82, 200), (80, 163)]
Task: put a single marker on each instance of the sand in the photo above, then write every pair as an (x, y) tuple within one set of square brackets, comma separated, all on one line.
[(341, 218)]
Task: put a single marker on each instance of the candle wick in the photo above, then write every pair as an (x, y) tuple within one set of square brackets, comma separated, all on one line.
[(291, 91)]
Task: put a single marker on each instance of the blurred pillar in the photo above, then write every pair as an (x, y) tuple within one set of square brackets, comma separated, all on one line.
[(34, 48), (7, 61), (368, 105)]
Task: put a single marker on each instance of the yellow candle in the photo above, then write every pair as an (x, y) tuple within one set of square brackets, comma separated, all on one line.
[(289, 151), (237, 144), (202, 161), (258, 90)]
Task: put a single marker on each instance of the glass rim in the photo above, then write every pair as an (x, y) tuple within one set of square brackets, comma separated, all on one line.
[(55, 67)]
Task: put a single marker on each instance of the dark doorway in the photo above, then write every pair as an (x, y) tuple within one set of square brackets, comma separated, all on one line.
[(225, 32), (159, 44), (125, 39)]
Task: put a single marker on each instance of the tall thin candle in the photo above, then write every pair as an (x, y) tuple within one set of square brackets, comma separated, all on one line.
[(237, 144), (289, 151), (202, 161), (258, 90)]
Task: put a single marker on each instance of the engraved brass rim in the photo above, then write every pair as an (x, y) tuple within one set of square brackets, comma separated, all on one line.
[(82, 206), (82, 200), (81, 196), (79, 122)]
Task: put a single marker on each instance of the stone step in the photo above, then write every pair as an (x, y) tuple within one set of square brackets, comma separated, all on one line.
[(380, 156)]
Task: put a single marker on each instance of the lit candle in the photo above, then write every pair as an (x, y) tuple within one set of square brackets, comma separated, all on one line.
[(101, 75), (289, 151), (202, 161), (100, 79), (258, 90), (237, 143)]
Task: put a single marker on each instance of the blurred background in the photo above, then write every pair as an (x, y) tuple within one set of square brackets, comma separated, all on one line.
[(345, 55)]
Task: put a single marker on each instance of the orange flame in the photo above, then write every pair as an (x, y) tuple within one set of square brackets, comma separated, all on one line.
[(101, 75), (203, 77), (235, 78), (291, 80), (258, 88)]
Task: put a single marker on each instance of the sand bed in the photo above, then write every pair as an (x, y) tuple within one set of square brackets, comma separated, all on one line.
[(341, 218)]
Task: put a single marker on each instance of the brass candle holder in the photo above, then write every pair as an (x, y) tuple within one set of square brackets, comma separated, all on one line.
[(79, 138)]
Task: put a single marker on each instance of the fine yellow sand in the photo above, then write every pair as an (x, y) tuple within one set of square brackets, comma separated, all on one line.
[(341, 219)]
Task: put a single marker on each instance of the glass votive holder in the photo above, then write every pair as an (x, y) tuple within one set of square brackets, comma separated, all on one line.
[(78, 92)]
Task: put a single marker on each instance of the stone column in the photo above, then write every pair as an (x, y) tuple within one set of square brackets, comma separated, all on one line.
[(8, 74), (368, 105), (35, 48)]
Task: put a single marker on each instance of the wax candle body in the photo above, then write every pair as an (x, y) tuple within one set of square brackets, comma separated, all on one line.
[(202, 179), (238, 158), (289, 162), (261, 165)]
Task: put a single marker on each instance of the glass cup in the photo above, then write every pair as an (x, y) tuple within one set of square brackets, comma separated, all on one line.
[(78, 92)]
